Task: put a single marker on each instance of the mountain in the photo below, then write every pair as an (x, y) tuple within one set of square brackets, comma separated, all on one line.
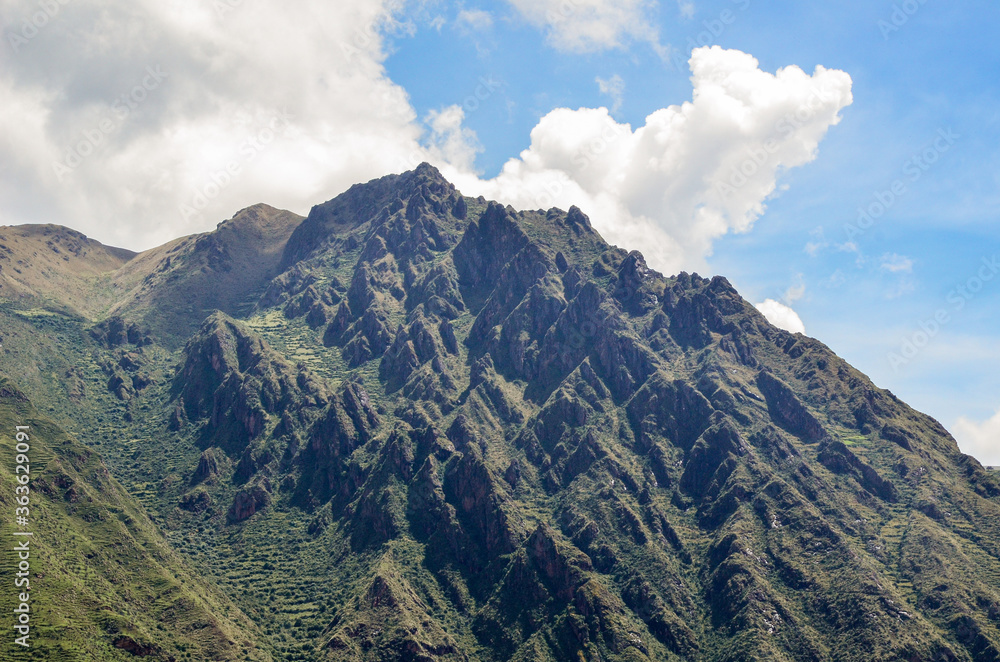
[(104, 583), (422, 426), (59, 267), (175, 286)]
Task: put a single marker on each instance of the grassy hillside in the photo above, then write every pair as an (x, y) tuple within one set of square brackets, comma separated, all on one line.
[(172, 288), (58, 268), (104, 583)]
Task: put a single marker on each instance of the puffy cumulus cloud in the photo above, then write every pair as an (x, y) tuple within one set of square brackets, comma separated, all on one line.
[(585, 26), (781, 316), (981, 440), (693, 172), (137, 121), (780, 313)]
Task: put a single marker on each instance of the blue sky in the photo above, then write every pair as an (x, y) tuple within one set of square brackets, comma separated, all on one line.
[(540, 102)]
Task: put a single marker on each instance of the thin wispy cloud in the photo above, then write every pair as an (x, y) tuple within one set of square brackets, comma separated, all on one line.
[(476, 20), (614, 89), (592, 26), (896, 264)]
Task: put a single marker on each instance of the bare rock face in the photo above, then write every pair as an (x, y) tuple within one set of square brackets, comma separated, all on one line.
[(248, 502), (234, 383), (348, 422), (117, 332), (196, 501), (133, 647), (713, 458), (839, 459), (674, 411), (487, 246), (210, 465), (482, 505), (786, 409)]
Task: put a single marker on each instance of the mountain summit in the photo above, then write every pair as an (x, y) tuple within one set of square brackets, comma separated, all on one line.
[(421, 426)]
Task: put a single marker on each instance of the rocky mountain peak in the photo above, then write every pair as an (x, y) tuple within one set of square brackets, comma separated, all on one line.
[(415, 191)]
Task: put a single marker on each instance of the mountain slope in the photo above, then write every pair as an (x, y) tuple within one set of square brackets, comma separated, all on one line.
[(450, 430), (56, 266), (173, 287), (104, 584)]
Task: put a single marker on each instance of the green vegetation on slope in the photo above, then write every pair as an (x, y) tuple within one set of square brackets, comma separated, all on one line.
[(104, 584)]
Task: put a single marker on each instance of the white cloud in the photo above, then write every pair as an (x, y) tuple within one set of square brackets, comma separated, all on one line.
[(981, 440), (693, 172), (795, 292), (134, 147), (898, 268), (614, 88), (780, 313), (781, 316), (686, 8), (475, 19), (818, 242), (586, 26), (450, 142), (896, 264)]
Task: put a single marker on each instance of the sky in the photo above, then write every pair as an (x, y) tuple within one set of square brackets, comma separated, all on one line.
[(838, 162)]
